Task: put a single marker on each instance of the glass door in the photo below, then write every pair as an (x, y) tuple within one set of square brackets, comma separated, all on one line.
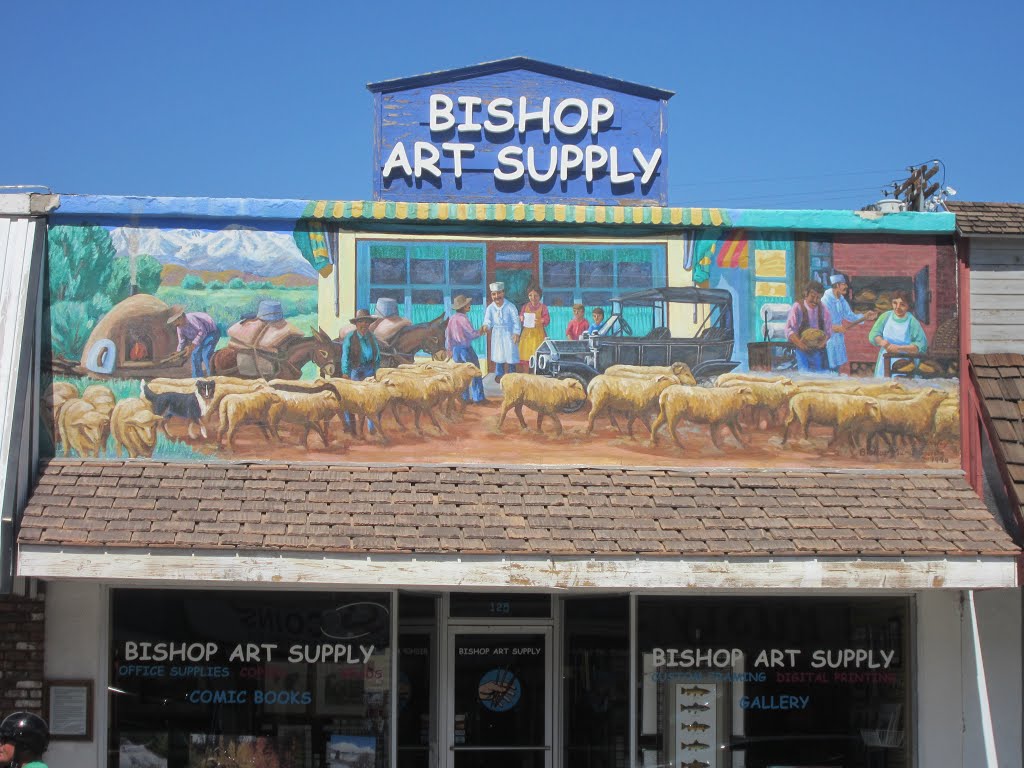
[(499, 697)]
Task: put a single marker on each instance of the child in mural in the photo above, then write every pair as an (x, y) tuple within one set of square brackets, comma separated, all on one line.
[(578, 324), (843, 318), (535, 319), (897, 331), (197, 335), (598, 316), (808, 328), (458, 340), (501, 321)]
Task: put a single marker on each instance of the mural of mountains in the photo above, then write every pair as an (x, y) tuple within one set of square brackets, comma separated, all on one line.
[(231, 249), (173, 274)]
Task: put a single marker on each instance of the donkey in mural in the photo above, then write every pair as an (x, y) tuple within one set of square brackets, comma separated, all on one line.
[(283, 363), (402, 348)]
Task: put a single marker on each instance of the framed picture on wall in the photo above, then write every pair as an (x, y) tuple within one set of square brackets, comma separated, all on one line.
[(69, 709), (285, 680), (339, 690)]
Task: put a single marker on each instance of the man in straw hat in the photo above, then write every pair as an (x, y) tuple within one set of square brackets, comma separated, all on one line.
[(197, 335), (501, 321), (360, 354), (458, 340)]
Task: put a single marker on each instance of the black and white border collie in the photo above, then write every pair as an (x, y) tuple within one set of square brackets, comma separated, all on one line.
[(191, 406)]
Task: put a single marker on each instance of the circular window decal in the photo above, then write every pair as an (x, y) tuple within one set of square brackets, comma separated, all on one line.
[(499, 690)]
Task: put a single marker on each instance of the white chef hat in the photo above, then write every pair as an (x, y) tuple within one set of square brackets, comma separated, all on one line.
[(497, 287), (836, 278)]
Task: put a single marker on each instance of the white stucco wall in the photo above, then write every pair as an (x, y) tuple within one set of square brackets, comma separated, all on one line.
[(77, 638), (949, 711)]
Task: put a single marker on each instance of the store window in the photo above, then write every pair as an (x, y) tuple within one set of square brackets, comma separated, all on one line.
[(594, 275), (424, 277), (751, 683), (238, 679)]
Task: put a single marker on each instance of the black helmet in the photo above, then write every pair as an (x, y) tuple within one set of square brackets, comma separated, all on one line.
[(26, 731)]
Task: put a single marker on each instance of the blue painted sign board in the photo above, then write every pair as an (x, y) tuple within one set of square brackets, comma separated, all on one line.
[(519, 130)]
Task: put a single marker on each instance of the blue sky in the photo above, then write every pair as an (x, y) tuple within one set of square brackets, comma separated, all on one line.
[(778, 104)]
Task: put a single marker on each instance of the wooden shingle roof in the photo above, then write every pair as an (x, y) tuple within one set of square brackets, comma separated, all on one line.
[(1000, 382), (472, 510), (988, 218)]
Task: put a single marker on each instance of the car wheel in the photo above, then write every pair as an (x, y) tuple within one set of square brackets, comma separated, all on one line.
[(574, 407)]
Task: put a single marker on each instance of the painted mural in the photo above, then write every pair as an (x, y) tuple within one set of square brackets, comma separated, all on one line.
[(717, 347)]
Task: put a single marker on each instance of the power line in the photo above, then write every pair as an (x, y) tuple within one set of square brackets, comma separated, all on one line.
[(785, 178)]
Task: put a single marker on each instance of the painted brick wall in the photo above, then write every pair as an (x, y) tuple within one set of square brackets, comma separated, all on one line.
[(21, 653), (899, 257)]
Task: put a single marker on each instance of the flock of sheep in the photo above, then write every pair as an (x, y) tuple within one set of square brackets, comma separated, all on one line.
[(862, 415)]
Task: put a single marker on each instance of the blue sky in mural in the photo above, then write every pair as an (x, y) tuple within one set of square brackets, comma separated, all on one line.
[(778, 105)]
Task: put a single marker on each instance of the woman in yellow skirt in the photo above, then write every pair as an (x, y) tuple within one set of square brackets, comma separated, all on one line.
[(535, 319)]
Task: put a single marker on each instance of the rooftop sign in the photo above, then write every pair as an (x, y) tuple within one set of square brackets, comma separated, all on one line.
[(518, 130)]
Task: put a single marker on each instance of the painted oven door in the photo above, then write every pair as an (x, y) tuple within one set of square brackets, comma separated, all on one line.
[(500, 694)]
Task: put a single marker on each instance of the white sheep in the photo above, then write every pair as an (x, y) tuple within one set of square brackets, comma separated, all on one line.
[(847, 414), (765, 378), (681, 371), (134, 427), (421, 393), (912, 420), (772, 397), (702, 405), (58, 393), (82, 428), (634, 397), (365, 401), (542, 394), (247, 408), (311, 410)]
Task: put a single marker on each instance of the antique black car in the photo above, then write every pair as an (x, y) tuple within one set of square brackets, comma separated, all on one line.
[(708, 351)]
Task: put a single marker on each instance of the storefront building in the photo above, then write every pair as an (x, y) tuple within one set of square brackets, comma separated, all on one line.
[(699, 521)]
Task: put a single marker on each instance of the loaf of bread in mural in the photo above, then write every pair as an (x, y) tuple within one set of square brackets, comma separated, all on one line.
[(629, 395), (134, 427), (848, 415), (58, 393), (247, 408), (82, 428), (312, 411), (700, 405), (364, 400), (681, 371), (546, 397)]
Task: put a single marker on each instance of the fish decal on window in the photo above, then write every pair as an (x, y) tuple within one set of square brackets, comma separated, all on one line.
[(697, 706), (694, 690)]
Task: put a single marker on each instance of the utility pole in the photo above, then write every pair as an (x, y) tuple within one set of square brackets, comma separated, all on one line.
[(915, 189)]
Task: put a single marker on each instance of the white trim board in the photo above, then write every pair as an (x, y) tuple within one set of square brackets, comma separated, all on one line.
[(526, 573)]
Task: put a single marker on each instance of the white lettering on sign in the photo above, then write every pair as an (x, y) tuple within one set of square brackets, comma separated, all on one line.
[(569, 117)]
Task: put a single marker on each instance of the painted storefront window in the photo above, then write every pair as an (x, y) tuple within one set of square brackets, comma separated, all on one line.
[(720, 347)]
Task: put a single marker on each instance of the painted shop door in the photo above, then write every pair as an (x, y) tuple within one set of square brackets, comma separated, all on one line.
[(499, 697)]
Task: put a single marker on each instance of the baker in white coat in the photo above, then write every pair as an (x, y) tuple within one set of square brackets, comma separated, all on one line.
[(501, 321), (843, 318)]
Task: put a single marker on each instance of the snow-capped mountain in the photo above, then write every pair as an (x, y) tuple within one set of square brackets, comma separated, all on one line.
[(255, 252)]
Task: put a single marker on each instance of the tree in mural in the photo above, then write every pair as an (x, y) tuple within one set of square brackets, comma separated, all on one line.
[(119, 280), (86, 279)]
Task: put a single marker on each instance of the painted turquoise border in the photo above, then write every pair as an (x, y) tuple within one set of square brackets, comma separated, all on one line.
[(255, 209)]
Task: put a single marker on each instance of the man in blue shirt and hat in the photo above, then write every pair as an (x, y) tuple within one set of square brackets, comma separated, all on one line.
[(360, 354)]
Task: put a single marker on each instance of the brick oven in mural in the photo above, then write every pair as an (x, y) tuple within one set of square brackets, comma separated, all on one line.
[(517, 293)]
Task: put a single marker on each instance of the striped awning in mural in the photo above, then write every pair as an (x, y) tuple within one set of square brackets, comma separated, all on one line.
[(358, 210)]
